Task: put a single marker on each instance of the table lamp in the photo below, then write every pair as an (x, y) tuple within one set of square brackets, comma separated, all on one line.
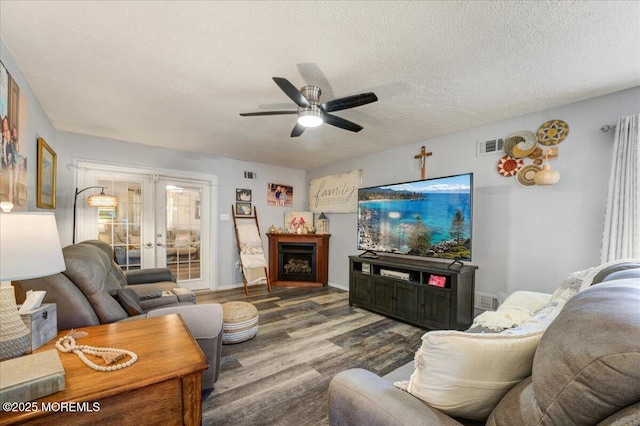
[(29, 248)]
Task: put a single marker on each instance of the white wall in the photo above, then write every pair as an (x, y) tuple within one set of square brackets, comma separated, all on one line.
[(523, 237)]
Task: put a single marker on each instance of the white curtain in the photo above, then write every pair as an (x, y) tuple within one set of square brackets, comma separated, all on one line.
[(621, 237)]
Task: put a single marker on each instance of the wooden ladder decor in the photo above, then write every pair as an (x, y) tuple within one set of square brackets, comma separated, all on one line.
[(246, 258)]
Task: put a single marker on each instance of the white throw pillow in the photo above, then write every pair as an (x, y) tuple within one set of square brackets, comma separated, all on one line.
[(568, 288), (467, 374), (529, 300), (518, 307)]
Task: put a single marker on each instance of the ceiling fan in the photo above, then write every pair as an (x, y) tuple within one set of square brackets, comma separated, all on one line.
[(311, 113)]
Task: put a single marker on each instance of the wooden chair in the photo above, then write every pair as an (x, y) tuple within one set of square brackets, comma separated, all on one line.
[(252, 259)]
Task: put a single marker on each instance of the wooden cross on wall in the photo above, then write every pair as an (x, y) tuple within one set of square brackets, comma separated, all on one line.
[(423, 160)]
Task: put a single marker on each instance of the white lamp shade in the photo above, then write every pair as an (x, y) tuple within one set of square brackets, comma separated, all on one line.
[(29, 246)]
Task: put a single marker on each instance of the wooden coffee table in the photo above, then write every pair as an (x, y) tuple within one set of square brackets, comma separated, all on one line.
[(163, 387)]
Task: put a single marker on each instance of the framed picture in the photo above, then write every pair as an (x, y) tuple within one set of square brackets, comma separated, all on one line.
[(279, 195), (46, 183), (243, 195), (243, 209), (107, 214), (297, 220)]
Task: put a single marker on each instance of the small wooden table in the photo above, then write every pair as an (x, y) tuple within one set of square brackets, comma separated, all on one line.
[(163, 387)]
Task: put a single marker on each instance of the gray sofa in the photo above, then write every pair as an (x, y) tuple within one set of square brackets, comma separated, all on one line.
[(94, 290), (586, 371)]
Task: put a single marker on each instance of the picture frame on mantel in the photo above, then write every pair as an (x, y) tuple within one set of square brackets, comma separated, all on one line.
[(46, 182)]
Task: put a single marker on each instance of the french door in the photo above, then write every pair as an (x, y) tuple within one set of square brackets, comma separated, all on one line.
[(159, 222)]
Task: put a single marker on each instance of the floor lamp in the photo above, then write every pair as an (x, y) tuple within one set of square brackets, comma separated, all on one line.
[(29, 248), (101, 200)]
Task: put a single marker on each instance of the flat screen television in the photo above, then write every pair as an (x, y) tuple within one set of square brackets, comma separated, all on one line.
[(428, 218)]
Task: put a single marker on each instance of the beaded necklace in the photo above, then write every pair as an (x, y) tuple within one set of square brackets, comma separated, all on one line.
[(68, 344)]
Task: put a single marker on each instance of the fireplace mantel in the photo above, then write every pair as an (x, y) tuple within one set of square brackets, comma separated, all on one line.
[(321, 241)]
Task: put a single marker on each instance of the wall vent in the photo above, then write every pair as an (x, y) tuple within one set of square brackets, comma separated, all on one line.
[(486, 302), (250, 175), (491, 147)]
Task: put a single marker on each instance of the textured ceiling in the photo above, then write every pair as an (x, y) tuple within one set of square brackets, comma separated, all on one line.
[(177, 74)]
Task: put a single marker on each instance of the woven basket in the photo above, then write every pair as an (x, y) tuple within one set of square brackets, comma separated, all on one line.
[(240, 322)]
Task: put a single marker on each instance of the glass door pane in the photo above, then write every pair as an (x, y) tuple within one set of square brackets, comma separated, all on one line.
[(159, 222), (186, 234), (183, 232), (121, 227)]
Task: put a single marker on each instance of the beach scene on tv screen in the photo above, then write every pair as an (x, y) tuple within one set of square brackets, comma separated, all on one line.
[(430, 218)]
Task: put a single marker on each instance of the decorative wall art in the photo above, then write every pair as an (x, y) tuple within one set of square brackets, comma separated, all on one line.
[(107, 214), (279, 195), (520, 144), (298, 222), (538, 147), (552, 132), (243, 209), (335, 193), (243, 195), (13, 126), (46, 183), (509, 166)]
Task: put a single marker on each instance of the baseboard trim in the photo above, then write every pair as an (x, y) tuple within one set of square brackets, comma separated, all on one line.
[(341, 287)]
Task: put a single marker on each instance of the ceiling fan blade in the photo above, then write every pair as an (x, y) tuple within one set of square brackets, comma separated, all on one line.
[(341, 122), (291, 91), (297, 130), (252, 114), (349, 102)]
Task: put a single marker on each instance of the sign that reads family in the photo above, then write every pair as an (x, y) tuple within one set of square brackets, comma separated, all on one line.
[(335, 194)]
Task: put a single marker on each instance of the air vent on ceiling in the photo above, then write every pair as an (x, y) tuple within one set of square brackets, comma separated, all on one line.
[(250, 175), (491, 147)]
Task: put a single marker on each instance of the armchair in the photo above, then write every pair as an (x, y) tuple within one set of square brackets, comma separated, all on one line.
[(583, 371), (93, 290)]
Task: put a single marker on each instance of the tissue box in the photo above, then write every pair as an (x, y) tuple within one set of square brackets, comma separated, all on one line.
[(42, 322)]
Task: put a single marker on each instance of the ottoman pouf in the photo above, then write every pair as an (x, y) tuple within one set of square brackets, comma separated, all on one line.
[(240, 322)]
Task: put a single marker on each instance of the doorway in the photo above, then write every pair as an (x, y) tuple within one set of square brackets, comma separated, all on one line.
[(160, 221)]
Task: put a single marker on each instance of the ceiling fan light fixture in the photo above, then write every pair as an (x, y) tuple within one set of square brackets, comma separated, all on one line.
[(310, 117)]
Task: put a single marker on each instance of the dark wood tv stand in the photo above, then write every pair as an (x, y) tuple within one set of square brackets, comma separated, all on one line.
[(399, 288)]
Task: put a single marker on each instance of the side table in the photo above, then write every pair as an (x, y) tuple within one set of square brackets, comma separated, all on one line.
[(163, 387)]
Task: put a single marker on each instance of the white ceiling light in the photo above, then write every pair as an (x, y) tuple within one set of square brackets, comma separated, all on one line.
[(310, 116)]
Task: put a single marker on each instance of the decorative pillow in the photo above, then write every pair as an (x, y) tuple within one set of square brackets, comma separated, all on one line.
[(129, 301), (599, 273), (569, 287), (465, 374), (516, 308)]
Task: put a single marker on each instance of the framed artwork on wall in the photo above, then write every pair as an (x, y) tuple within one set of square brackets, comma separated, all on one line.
[(279, 195), (13, 127), (46, 183), (243, 195), (243, 209), (297, 222), (107, 214)]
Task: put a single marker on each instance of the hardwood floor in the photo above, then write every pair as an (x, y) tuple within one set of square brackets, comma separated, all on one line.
[(305, 337)]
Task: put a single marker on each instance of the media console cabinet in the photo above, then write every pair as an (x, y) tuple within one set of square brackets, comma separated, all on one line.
[(424, 293)]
